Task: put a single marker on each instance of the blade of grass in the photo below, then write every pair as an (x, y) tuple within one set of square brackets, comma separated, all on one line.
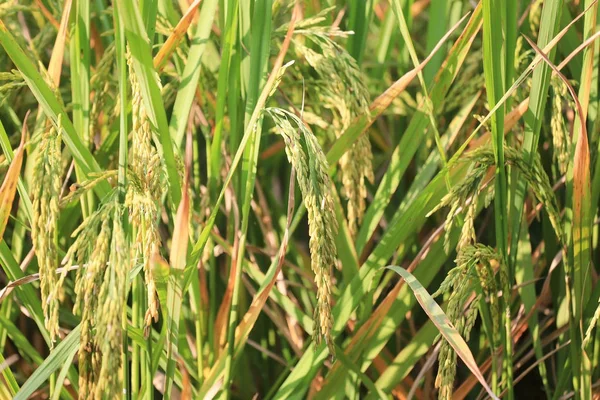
[(259, 55), (149, 11), (426, 102), (63, 353), (23, 345), (582, 236), (524, 272), (179, 249), (191, 73), (222, 85), (438, 20), (60, 380), (9, 185), (360, 13), (443, 324), (121, 63), (80, 82), (578, 221), (8, 152), (9, 379), (350, 365), (407, 358)]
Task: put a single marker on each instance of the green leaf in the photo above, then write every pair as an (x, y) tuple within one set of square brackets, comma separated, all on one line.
[(63, 353), (443, 324)]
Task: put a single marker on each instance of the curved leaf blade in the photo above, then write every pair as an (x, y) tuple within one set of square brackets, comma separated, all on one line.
[(441, 321)]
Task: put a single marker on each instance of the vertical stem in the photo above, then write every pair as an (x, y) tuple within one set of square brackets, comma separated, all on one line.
[(135, 349), (196, 306), (122, 169), (80, 68), (494, 71)]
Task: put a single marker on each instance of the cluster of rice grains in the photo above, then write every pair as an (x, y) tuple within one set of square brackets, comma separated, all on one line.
[(144, 192), (476, 263), (46, 187), (307, 158), (473, 262), (102, 254), (102, 87), (561, 140), (100, 251), (9, 81), (340, 88)]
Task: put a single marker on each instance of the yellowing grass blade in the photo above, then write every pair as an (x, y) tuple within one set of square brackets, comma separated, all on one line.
[(58, 52), (441, 321), (177, 259), (176, 36), (582, 244), (9, 186)]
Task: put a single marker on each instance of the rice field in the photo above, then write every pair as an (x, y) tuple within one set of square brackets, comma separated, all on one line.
[(285, 199)]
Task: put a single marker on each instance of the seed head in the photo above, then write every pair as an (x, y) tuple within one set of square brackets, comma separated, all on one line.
[(46, 190), (311, 167)]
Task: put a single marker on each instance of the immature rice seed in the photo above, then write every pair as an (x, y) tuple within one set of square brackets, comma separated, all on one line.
[(561, 140), (145, 192), (44, 229), (307, 157), (113, 297), (342, 90)]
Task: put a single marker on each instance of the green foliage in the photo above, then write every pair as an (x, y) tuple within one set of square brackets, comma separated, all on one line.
[(280, 155)]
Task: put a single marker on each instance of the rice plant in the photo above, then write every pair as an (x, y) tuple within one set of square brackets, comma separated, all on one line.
[(318, 199)]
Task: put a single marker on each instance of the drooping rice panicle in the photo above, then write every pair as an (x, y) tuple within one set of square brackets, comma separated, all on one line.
[(113, 300), (102, 256), (483, 159), (88, 304), (144, 192), (342, 90), (561, 140), (46, 190), (307, 158), (472, 262), (102, 87)]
